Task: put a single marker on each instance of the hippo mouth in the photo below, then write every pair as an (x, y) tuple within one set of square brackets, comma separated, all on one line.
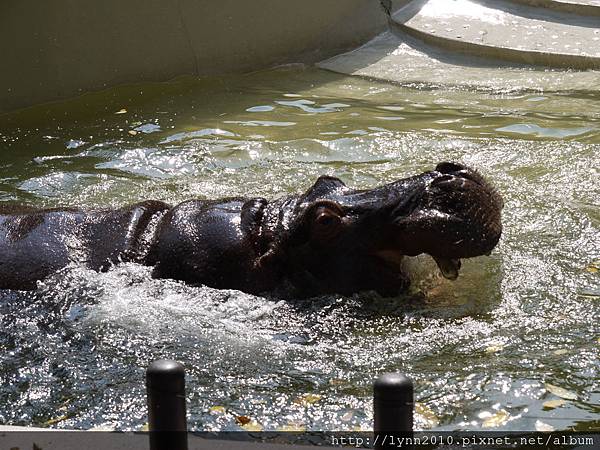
[(449, 267)]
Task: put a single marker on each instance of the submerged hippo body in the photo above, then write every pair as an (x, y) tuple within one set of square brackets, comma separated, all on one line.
[(331, 239)]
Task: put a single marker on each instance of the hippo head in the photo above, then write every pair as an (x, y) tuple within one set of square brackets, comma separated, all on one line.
[(343, 240)]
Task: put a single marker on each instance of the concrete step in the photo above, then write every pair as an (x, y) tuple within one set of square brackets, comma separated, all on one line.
[(401, 59), (505, 30), (581, 7)]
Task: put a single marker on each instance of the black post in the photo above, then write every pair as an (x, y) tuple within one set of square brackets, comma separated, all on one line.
[(393, 406), (165, 389)]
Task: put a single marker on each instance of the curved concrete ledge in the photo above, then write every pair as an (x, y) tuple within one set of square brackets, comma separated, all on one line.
[(54, 50), (502, 31), (529, 57)]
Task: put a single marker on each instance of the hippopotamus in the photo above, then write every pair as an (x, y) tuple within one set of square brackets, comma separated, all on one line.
[(330, 239)]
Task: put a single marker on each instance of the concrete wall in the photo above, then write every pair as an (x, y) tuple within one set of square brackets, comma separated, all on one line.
[(56, 49)]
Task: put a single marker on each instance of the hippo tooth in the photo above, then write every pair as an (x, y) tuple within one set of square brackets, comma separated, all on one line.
[(449, 267)]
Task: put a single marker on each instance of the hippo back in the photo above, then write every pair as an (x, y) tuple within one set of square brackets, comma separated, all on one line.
[(35, 243)]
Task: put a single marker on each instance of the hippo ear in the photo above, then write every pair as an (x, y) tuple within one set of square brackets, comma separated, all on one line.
[(324, 187)]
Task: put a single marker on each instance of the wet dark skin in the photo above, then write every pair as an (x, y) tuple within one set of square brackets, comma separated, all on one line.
[(331, 239)]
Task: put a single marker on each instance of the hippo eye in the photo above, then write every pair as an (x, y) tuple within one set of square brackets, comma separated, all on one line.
[(326, 223), (327, 220)]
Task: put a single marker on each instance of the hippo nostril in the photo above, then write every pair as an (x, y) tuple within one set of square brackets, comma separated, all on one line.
[(449, 167), (461, 175), (472, 176), (442, 179)]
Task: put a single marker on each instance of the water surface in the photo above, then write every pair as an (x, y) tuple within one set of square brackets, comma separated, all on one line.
[(516, 330)]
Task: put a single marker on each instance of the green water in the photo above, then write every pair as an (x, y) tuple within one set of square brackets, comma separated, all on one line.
[(486, 350)]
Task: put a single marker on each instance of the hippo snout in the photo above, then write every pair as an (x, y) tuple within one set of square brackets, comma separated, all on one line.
[(458, 215)]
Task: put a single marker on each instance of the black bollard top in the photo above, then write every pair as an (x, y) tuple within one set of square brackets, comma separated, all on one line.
[(393, 388), (166, 375)]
